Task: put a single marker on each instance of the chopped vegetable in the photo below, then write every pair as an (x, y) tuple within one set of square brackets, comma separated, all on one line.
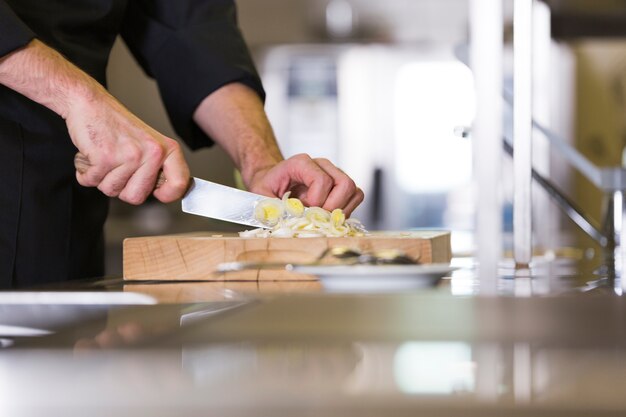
[(293, 206), (270, 211), (287, 217)]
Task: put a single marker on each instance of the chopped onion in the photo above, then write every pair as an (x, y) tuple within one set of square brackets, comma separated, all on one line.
[(252, 233), (293, 206), (317, 215), (269, 212), (337, 217), (283, 232), (287, 217)]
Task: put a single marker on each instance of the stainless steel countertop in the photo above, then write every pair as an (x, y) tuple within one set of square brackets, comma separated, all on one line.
[(426, 353), (553, 343)]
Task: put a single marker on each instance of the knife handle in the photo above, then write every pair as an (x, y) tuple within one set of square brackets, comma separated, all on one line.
[(82, 164)]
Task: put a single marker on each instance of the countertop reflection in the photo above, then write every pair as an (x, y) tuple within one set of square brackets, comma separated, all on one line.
[(551, 344), (394, 354)]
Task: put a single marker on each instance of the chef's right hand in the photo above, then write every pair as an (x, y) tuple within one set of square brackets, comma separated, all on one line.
[(125, 154)]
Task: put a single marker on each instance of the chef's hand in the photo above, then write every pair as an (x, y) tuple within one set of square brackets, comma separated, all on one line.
[(234, 117), (316, 182), (125, 154)]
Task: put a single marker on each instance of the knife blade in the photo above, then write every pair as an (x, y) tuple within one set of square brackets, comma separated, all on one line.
[(217, 201)]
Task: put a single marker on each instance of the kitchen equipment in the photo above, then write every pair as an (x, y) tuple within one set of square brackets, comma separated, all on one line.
[(376, 278), (195, 256), (208, 199)]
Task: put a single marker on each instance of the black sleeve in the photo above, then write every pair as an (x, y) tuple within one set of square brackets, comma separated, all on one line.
[(191, 48), (14, 33)]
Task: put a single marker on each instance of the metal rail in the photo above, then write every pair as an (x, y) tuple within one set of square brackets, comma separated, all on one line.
[(611, 235), (569, 207), (522, 131)]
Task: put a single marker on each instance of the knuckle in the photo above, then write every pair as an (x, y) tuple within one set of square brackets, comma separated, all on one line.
[(301, 157), (116, 186), (154, 151), (179, 184), (173, 145), (350, 186), (327, 181), (133, 156), (105, 160)]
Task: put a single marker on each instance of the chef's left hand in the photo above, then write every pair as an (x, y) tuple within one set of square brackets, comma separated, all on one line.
[(234, 117), (315, 181)]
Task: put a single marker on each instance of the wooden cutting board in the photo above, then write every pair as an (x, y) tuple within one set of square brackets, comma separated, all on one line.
[(195, 256)]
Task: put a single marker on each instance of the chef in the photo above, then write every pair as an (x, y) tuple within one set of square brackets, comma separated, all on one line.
[(53, 104)]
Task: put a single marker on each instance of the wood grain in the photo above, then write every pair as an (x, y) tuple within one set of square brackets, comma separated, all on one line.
[(195, 256)]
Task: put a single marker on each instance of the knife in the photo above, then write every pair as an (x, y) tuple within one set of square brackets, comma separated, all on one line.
[(217, 201), (208, 199)]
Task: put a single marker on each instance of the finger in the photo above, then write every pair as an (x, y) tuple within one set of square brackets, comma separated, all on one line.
[(303, 170), (354, 202), (115, 181), (92, 175), (298, 191), (140, 184), (176, 172), (343, 189)]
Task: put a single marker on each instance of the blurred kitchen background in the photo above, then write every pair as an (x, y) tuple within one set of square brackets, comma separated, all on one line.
[(382, 89)]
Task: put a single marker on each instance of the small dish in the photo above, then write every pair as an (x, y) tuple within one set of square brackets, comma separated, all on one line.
[(376, 278)]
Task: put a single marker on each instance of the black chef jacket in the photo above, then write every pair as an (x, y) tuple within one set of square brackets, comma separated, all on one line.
[(51, 227)]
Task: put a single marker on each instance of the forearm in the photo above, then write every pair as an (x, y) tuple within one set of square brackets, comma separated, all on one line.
[(234, 117), (46, 77)]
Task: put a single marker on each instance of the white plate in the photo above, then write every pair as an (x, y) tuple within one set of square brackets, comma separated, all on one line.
[(376, 278)]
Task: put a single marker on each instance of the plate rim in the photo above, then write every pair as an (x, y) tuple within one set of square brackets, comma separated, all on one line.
[(376, 270)]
